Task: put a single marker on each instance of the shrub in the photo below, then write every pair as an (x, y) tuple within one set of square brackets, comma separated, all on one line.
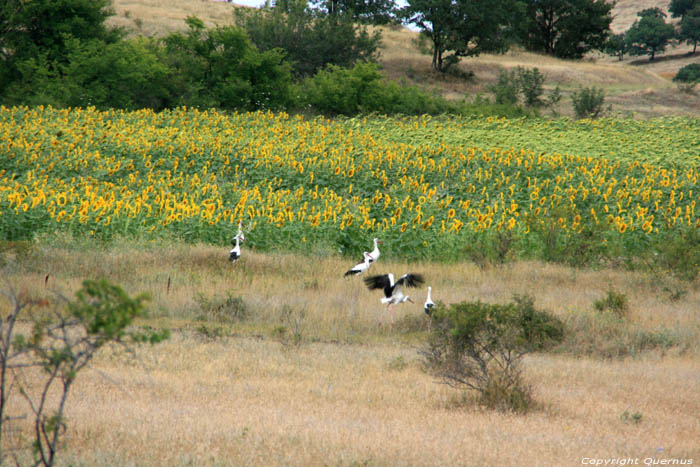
[(310, 41), (512, 83), (220, 67), (588, 102), (677, 253), (530, 82), (688, 74), (480, 347), (687, 77), (615, 302), (505, 90), (348, 91), (222, 310)]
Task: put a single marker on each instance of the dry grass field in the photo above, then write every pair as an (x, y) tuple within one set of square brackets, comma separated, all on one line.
[(347, 391), (633, 87)]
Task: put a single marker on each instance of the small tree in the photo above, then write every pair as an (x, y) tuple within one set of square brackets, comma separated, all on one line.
[(690, 27), (480, 347), (616, 46), (588, 102), (310, 40), (458, 29), (61, 343), (220, 67), (650, 34)]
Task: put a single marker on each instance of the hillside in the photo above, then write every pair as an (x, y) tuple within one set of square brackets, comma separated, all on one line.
[(633, 87)]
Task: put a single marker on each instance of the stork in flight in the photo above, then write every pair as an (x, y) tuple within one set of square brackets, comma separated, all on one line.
[(360, 267), (235, 253), (428, 307), (393, 290)]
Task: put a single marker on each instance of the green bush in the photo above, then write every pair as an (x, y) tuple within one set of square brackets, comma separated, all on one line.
[(530, 82), (688, 76), (480, 347), (677, 253), (505, 90), (126, 75), (588, 102), (221, 68), (310, 41), (348, 91), (614, 302)]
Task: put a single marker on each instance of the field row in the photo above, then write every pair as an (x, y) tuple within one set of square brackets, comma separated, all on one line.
[(427, 187)]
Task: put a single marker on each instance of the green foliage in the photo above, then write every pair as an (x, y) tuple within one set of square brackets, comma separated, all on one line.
[(679, 8), (512, 84), (506, 90), (634, 417), (480, 347), (531, 81), (61, 343), (677, 254), (649, 34), (363, 89), (220, 67), (566, 28), (690, 27), (613, 302), (373, 12), (128, 74), (688, 74), (588, 102), (616, 46), (310, 41), (459, 29), (35, 42)]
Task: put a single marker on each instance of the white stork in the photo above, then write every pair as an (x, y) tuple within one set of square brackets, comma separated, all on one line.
[(360, 267), (374, 255), (393, 290), (240, 234), (428, 307), (235, 253)]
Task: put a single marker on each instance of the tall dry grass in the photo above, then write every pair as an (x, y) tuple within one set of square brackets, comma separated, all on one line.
[(350, 392)]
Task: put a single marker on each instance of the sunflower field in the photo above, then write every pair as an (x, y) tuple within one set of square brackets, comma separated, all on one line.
[(429, 188)]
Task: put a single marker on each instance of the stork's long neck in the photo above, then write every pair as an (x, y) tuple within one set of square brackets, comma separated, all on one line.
[(429, 289)]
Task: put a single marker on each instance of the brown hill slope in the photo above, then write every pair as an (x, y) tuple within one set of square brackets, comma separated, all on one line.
[(633, 86)]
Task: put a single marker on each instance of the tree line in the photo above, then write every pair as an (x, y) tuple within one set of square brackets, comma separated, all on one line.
[(291, 54)]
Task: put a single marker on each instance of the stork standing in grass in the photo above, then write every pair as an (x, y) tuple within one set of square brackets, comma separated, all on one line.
[(240, 234), (374, 254), (428, 307), (360, 267), (393, 290), (235, 253)]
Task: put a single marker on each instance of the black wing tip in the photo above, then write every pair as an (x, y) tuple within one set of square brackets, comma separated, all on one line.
[(374, 282)]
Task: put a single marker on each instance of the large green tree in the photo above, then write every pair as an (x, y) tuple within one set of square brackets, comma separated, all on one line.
[(460, 28), (363, 11), (689, 13), (678, 8), (690, 27), (566, 28), (650, 34), (310, 40), (40, 31), (221, 68)]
